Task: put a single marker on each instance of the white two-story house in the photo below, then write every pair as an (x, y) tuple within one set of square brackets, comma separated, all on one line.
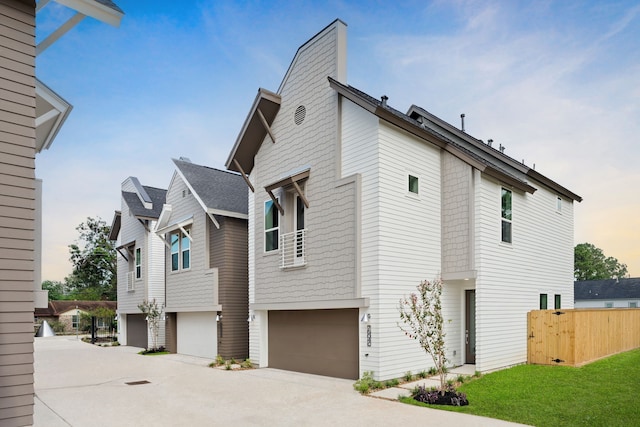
[(352, 203), (140, 261), (204, 227)]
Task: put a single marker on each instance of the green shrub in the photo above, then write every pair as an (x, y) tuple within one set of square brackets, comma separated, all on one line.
[(366, 383), (392, 383), (408, 376), (432, 370), (422, 374), (247, 364), (227, 365), (219, 360)]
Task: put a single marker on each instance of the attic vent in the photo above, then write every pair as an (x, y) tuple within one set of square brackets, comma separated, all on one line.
[(186, 192), (301, 112)]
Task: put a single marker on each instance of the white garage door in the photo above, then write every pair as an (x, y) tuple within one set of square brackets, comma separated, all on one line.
[(197, 334)]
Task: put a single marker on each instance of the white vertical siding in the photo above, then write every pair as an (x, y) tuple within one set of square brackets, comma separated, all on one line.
[(511, 276)]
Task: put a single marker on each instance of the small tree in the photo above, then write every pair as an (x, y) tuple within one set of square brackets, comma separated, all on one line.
[(421, 315), (154, 313)]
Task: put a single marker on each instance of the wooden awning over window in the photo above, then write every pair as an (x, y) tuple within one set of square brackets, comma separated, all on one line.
[(293, 181), (128, 247)]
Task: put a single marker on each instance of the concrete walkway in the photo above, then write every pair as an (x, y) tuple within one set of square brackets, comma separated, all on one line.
[(79, 385)]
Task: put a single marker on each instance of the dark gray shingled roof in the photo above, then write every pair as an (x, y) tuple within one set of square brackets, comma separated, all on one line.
[(110, 5), (158, 198), (218, 190), (606, 289)]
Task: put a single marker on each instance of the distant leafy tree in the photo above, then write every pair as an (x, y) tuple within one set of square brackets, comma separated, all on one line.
[(94, 261), (56, 290), (590, 263)]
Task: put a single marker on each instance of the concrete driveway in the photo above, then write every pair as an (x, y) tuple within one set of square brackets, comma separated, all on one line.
[(79, 385)]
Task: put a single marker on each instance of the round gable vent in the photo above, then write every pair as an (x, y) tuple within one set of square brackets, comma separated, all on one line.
[(301, 112)]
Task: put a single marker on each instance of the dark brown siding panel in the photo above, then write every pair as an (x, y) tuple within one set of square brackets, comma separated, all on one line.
[(323, 342), (171, 333), (229, 254)]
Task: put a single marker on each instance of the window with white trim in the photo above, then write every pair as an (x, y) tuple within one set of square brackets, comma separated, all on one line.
[(506, 222), (633, 304), (74, 321), (414, 186), (180, 250), (558, 204), (271, 226), (138, 263)]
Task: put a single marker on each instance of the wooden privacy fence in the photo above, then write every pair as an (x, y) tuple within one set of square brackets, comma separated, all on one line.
[(578, 336)]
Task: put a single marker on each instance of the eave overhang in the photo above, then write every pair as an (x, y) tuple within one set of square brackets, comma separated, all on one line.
[(429, 136), (115, 226), (51, 112), (254, 130)]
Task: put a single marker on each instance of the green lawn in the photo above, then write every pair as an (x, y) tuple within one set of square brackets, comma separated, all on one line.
[(603, 393)]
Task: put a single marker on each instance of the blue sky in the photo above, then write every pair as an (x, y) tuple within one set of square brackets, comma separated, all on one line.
[(556, 82)]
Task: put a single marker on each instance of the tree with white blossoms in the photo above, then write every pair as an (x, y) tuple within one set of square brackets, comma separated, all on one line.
[(421, 315), (153, 313)]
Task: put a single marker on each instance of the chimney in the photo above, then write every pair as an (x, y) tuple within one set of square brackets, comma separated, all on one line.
[(462, 119), (384, 101), (489, 142), (502, 147)]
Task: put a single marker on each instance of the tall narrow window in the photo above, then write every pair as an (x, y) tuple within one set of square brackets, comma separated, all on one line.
[(175, 251), (543, 301), (299, 226), (413, 184), (138, 264), (557, 303), (559, 204), (506, 215), (271, 230), (185, 248)]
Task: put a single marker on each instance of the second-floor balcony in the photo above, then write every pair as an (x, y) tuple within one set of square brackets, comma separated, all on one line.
[(293, 250)]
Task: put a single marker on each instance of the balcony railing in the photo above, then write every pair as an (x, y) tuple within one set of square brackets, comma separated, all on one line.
[(293, 249), (131, 281)]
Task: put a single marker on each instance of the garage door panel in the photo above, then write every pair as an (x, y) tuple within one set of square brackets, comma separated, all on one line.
[(136, 330), (197, 334), (323, 342)]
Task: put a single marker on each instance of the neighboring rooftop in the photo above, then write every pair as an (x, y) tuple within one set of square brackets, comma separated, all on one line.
[(55, 308), (220, 191), (608, 289), (158, 197)]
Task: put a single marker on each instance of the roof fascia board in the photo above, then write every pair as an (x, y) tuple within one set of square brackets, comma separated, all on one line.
[(114, 231), (163, 219), (263, 94), (553, 185), (59, 111), (95, 10), (176, 225), (229, 214), (190, 187), (452, 130)]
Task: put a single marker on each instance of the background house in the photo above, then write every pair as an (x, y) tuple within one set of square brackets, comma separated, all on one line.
[(31, 115), (353, 203), (204, 227), (608, 293), (67, 314), (140, 260)]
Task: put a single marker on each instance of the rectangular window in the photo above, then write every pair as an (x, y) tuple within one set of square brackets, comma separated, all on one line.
[(543, 301), (185, 248), (559, 204), (506, 215), (175, 251), (271, 229), (413, 184), (608, 305), (180, 250), (138, 264), (633, 304), (74, 321), (557, 302)]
